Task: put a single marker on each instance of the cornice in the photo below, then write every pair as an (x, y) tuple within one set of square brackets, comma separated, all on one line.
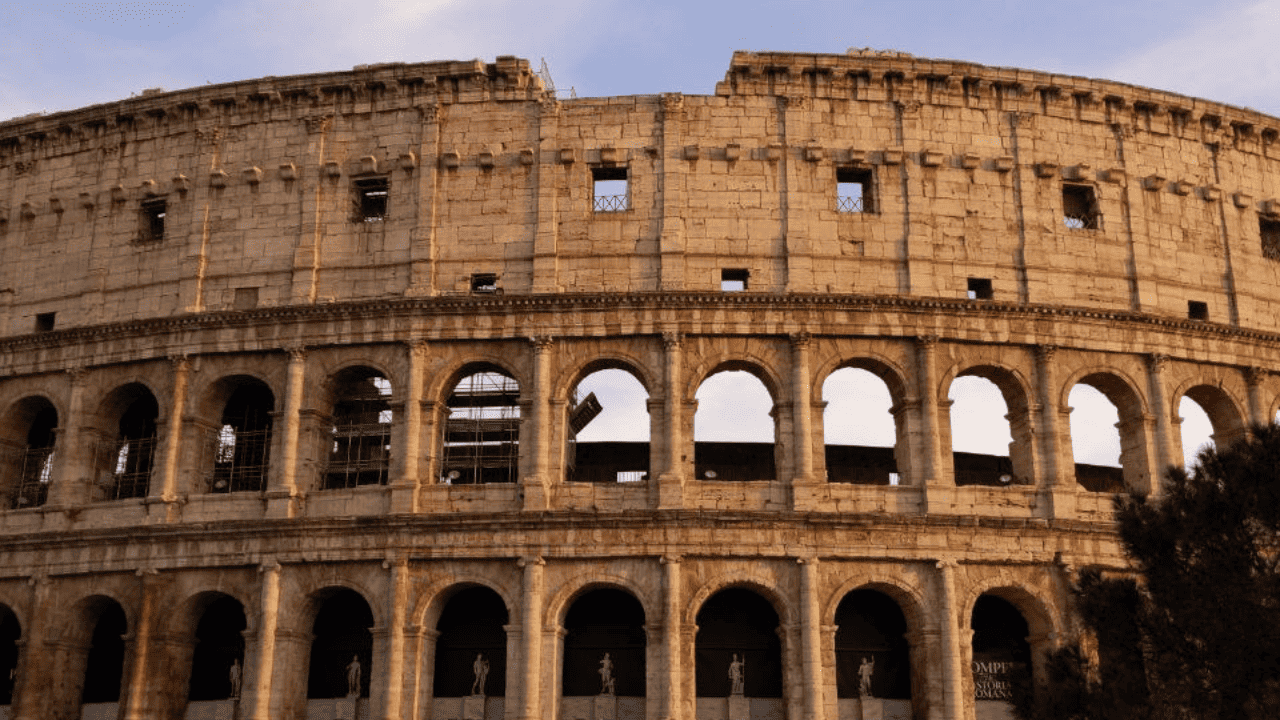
[(501, 305)]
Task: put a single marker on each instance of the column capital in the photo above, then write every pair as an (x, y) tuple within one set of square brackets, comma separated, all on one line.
[(800, 340), (1045, 353), (417, 348), (947, 564), (180, 363), (671, 559), (297, 353), (78, 375), (541, 343), (672, 340), (534, 560), (1254, 376), (926, 342), (1157, 362)]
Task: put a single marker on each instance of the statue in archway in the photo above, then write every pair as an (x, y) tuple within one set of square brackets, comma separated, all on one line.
[(737, 672), (865, 670), (353, 677), (234, 674), (481, 669), (606, 675)]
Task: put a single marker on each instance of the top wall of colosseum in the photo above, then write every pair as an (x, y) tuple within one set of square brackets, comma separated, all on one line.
[(859, 174)]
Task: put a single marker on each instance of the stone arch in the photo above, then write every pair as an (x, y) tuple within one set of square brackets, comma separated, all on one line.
[(239, 412), (910, 596), (91, 659), (557, 604), (123, 436), (434, 598), (329, 368), (754, 365), (568, 377), (611, 457), (1132, 411), (458, 653), (865, 465), (211, 396), (1016, 391), (210, 628), (755, 582), (342, 623), (356, 440), (1230, 423), (28, 447), (729, 636), (481, 432), (739, 458), (1032, 603), (603, 624), (441, 383)]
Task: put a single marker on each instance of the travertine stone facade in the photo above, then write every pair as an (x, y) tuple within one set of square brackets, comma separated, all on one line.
[(264, 245)]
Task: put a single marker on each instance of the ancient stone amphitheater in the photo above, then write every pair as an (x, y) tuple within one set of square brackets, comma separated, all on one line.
[(292, 375)]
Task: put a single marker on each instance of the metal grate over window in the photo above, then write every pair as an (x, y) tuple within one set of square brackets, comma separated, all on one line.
[(242, 445), (610, 189), (853, 190), (360, 453), (1080, 208), (482, 432)]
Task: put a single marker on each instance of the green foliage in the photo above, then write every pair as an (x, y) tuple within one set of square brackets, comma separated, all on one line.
[(1195, 632)]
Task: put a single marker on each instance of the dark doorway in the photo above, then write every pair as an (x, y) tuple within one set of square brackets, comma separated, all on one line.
[(871, 627), (738, 622), (104, 666), (604, 621), (470, 626), (341, 634), (219, 646)]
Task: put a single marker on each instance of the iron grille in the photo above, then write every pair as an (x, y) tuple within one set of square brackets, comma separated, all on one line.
[(849, 204), (240, 460), (611, 203), (33, 484), (131, 474)]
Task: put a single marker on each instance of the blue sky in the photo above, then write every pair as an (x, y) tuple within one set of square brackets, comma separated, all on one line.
[(63, 55)]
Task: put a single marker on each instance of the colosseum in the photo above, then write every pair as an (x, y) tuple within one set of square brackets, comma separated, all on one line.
[(293, 373)]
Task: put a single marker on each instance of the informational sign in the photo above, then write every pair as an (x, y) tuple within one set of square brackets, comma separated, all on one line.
[(992, 680)]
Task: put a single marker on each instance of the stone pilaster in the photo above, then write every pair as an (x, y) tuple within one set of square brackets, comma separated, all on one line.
[(672, 477), (407, 450), (134, 695), (535, 483), (1254, 377), (70, 463), (171, 451), (811, 641), (670, 694), (802, 474), (951, 658), (282, 491), (388, 680), (256, 697), (1168, 441), (529, 702)]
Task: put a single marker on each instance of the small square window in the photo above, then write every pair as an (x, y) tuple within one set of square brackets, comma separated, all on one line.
[(733, 280), (246, 298), (853, 190), (44, 322), (1080, 207), (151, 220), (610, 189), (371, 199), (1269, 228), (1197, 310), (484, 283), (980, 289)]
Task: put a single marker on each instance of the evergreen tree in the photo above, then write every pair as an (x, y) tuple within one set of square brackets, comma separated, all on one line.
[(1194, 632)]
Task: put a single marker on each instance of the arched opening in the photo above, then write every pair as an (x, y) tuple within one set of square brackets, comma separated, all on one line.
[(733, 428), (608, 429), (859, 433), (10, 632), (1095, 440), (127, 453), (1001, 653), (873, 659), (341, 647), (482, 432), (28, 439), (217, 661), (242, 447), (1208, 416), (604, 647), (104, 661), (984, 428), (738, 652), (360, 441), (471, 649)]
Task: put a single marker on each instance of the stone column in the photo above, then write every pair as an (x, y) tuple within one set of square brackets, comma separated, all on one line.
[(1254, 377), (1057, 486), (422, 243), (671, 480), (927, 442), (31, 700), (260, 666), (171, 453), (670, 694), (811, 641), (671, 234), (134, 696), (69, 460), (529, 707), (1168, 445), (406, 451), (547, 183), (282, 492), (801, 423), (535, 484), (390, 678), (952, 666)]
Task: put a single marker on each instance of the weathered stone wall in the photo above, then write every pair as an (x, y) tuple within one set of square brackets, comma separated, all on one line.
[(268, 272)]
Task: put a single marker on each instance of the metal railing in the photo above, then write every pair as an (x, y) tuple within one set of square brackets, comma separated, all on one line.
[(131, 474), (611, 203), (850, 204)]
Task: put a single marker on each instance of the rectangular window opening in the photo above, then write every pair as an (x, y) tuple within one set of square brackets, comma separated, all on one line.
[(853, 190), (1197, 310), (44, 322), (733, 280), (371, 199), (484, 283), (610, 189), (980, 289), (1079, 207), (152, 220), (1269, 228), (246, 298)]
